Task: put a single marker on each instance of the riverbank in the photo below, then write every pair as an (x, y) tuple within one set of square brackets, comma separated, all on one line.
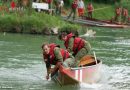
[(41, 23), (35, 23)]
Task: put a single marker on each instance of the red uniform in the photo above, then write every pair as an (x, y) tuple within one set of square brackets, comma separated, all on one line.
[(90, 10), (49, 1), (128, 19), (118, 11), (81, 11), (13, 5), (125, 12), (74, 5)]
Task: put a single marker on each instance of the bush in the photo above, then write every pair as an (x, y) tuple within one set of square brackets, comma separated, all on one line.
[(34, 23), (70, 29)]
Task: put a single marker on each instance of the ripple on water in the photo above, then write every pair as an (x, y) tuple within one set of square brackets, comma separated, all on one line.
[(23, 74), (117, 76), (123, 42)]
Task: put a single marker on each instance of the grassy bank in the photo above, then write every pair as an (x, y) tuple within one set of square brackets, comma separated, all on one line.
[(107, 11), (101, 11), (41, 23), (31, 23)]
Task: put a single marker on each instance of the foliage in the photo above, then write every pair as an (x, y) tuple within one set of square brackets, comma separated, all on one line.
[(26, 23), (106, 1), (69, 28), (68, 2)]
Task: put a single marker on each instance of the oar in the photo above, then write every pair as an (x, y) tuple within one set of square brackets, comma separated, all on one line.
[(56, 79), (100, 8), (95, 57)]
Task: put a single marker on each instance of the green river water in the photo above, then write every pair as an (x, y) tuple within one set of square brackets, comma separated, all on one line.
[(22, 68)]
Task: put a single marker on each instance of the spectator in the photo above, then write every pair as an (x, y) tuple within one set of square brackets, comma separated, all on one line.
[(125, 15), (81, 8), (90, 10), (13, 5), (73, 9), (118, 12)]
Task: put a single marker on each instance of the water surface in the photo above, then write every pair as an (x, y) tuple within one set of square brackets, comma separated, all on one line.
[(22, 68)]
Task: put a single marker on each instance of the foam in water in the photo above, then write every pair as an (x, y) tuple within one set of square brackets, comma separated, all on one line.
[(90, 86), (113, 78)]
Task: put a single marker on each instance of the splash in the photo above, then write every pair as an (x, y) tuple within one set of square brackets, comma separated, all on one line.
[(94, 86)]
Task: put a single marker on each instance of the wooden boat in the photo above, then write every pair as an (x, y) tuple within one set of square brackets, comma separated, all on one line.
[(98, 23), (87, 72)]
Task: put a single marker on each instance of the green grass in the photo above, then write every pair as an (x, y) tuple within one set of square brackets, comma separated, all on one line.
[(103, 11), (30, 20), (107, 11), (39, 21)]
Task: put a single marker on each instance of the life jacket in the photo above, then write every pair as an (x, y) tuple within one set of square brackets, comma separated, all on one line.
[(51, 55), (90, 8), (67, 40), (129, 19), (125, 12), (13, 4), (74, 5), (77, 44)]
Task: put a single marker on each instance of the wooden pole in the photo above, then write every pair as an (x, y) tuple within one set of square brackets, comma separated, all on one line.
[(95, 57)]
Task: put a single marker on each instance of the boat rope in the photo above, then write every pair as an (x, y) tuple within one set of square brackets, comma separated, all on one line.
[(101, 8), (127, 2)]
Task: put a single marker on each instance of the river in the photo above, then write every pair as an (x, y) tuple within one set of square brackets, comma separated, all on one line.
[(22, 68)]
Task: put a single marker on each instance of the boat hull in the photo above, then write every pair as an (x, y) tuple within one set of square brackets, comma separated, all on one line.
[(99, 23), (86, 74)]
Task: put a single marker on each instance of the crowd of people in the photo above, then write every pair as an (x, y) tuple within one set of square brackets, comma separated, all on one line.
[(53, 54), (13, 5), (79, 6), (76, 6)]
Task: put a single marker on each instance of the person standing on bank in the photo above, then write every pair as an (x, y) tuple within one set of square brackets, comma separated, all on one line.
[(81, 8), (54, 55), (77, 46), (49, 6), (13, 5), (90, 10), (61, 4), (73, 9), (118, 12), (125, 15), (49, 3)]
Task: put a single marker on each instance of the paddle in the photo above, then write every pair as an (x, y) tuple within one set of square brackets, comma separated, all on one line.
[(95, 57), (54, 75), (86, 60)]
